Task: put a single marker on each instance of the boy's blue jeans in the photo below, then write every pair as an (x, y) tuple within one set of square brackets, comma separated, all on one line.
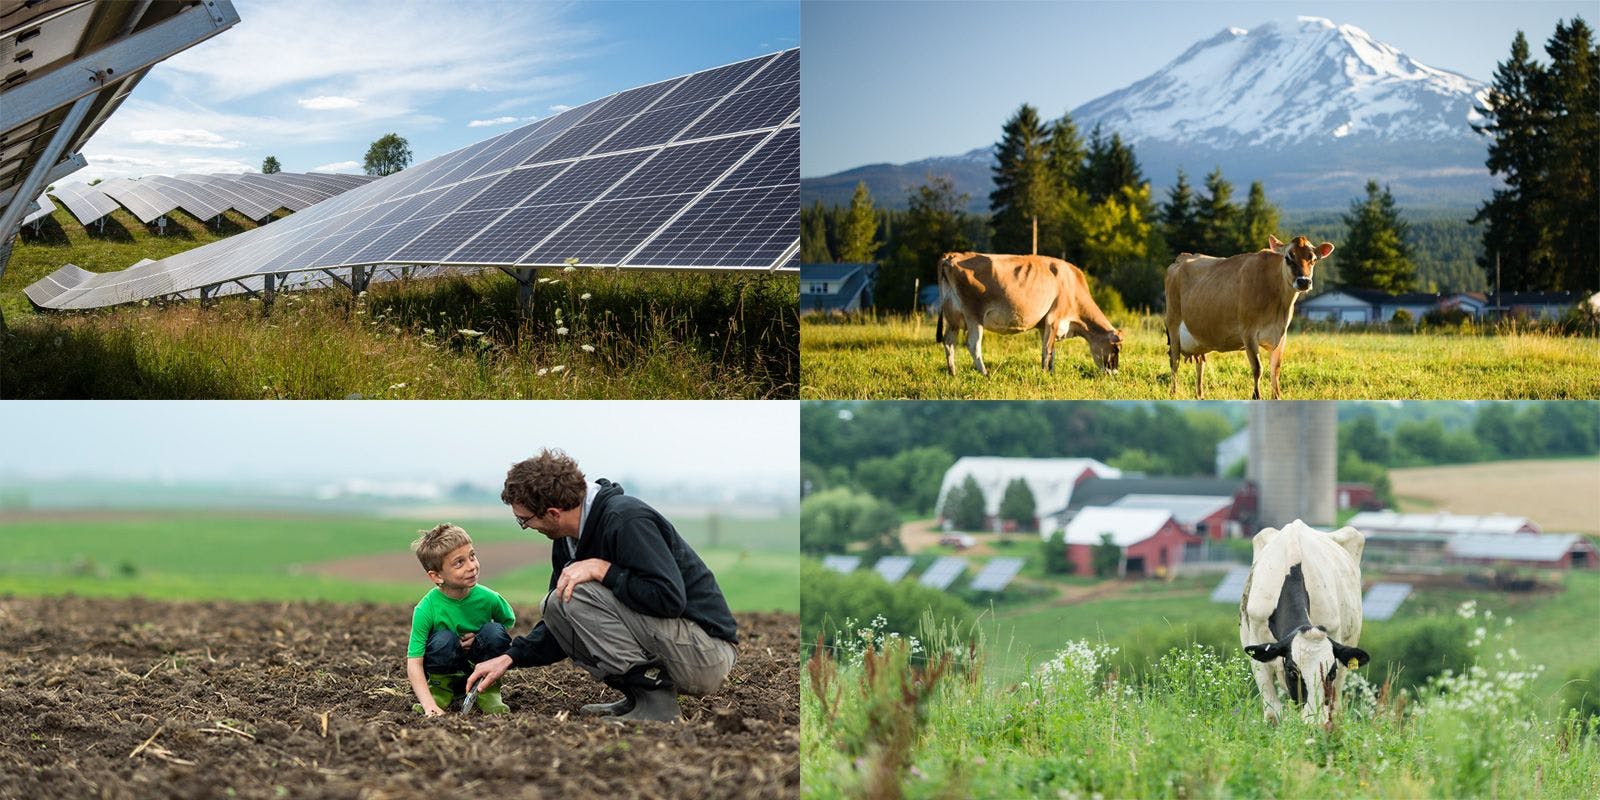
[(444, 655)]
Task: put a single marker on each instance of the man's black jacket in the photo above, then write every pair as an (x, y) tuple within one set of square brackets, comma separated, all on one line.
[(653, 571)]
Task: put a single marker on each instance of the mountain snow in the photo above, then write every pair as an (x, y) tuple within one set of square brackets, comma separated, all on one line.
[(1289, 83)]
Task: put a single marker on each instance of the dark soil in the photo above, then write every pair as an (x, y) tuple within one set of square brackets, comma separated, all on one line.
[(124, 698)]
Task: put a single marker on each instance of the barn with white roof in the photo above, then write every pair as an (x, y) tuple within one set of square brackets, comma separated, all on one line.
[(1151, 539), (1441, 522), (1553, 551), (1050, 479)]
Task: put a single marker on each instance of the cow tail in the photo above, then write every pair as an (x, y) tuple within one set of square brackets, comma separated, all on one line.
[(938, 335)]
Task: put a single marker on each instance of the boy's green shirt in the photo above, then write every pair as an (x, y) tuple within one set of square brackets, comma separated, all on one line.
[(437, 610)]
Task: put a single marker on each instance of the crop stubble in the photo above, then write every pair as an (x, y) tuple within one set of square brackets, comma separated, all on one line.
[(138, 698)]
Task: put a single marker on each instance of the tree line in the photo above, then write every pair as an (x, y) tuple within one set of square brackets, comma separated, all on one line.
[(387, 155), (1541, 231)]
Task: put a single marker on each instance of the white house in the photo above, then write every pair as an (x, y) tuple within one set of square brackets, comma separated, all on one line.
[(1050, 479)]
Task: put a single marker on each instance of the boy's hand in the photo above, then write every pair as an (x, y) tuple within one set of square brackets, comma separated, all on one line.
[(433, 710), (467, 639), (589, 569)]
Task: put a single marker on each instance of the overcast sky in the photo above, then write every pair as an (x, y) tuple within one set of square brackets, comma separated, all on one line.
[(315, 82), (901, 81), (740, 443)]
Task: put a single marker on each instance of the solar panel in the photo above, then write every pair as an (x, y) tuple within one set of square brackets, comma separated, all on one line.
[(1231, 589), (996, 574), (842, 564), (1383, 599), (87, 203), (893, 568), (699, 172), (44, 209), (943, 572)]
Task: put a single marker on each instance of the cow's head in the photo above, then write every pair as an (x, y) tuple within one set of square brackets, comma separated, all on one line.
[(1311, 662), (1106, 349), (1299, 257)]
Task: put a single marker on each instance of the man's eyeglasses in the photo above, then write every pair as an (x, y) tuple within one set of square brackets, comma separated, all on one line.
[(523, 521)]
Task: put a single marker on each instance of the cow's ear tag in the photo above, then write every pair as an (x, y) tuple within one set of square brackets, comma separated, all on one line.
[(1354, 663)]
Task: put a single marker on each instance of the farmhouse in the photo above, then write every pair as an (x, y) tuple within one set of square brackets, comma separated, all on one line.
[(1239, 515), (1206, 516), (1151, 539), (836, 288), (1051, 480), (1346, 305)]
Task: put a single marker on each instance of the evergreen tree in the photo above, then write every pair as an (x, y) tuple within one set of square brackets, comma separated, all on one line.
[(1511, 237), (1259, 220), (814, 235), (1376, 255), (270, 166), (1569, 93), (1180, 221), (1063, 238), (1218, 217), (1017, 505), (1106, 557), (967, 511), (1109, 166), (861, 225), (1025, 190), (934, 225)]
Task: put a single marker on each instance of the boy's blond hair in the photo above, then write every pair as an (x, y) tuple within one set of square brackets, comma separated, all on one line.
[(432, 546)]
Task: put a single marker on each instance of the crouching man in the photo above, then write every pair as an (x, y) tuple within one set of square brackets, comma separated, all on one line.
[(630, 602)]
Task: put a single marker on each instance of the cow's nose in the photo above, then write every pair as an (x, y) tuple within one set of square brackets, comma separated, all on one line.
[(1302, 283)]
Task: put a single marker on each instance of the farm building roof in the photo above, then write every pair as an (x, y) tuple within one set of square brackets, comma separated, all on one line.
[(1441, 522), (1187, 509), (1104, 491), (1512, 547), (1050, 479), (1127, 526)]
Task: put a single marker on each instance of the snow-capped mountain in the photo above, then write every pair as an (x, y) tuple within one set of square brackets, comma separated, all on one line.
[(1311, 108), (1283, 84)]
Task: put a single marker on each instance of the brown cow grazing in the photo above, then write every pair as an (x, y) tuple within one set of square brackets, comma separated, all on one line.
[(1242, 302), (1010, 294)]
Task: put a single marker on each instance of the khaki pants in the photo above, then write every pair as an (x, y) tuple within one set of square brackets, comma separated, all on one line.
[(606, 638)]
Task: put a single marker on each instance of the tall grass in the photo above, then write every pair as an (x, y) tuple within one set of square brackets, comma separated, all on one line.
[(1192, 726), (592, 334), (897, 357)]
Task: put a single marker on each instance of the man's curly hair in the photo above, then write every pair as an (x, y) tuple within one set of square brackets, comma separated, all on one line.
[(549, 480)]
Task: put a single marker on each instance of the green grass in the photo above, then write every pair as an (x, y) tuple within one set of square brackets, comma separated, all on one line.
[(897, 357), (200, 555), (657, 335), (883, 725)]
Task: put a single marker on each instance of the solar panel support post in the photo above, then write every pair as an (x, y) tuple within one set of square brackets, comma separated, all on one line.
[(359, 278), (207, 294), (526, 278), (269, 291), (11, 215)]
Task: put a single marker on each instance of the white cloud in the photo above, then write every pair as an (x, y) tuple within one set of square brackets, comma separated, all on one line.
[(560, 107), (489, 123), (328, 103), (184, 137), (338, 166)]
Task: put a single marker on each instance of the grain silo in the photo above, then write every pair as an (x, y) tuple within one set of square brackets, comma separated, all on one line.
[(1294, 461)]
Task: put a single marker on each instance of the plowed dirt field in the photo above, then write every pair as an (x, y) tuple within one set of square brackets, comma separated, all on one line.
[(134, 698)]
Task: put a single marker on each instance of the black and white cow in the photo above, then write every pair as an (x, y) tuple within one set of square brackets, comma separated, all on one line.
[(1300, 616)]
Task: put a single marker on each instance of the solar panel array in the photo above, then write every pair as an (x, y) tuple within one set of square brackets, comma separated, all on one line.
[(893, 568), (204, 196), (944, 572), (996, 574), (1383, 599), (1231, 589), (842, 564), (696, 172)]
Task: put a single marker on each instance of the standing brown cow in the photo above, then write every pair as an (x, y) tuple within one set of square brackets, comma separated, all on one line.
[(1010, 294), (1242, 302)]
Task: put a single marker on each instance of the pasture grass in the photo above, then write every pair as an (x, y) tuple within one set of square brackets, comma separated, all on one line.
[(197, 555), (896, 357), (894, 718), (591, 334)]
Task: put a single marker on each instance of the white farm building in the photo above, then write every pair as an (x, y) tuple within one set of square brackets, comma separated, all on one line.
[(1050, 479)]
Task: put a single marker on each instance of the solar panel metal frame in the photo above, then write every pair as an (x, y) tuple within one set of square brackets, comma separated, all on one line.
[(765, 173), (943, 572), (844, 565), (1383, 600), (997, 574), (893, 568), (1231, 589), (45, 209)]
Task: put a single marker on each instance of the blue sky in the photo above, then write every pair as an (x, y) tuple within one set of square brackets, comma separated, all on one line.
[(314, 82), (752, 444), (900, 81)]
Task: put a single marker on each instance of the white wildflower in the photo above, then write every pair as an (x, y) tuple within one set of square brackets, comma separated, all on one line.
[(543, 371), (428, 331), (562, 330), (397, 385), (588, 348), (557, 368), (569, 268), (469, 332), (1467, 610), (585, 296)]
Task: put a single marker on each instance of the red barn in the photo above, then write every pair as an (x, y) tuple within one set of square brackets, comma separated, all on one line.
[(1151, 539)]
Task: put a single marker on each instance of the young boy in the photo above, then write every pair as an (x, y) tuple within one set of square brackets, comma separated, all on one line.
[(456, 624)]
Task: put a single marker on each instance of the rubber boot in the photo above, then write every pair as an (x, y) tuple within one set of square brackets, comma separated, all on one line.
[(655, 699), (489, 701), (612, 709), (440, 687)]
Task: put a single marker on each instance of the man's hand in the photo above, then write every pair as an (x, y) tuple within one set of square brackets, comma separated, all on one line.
[(487, 672), (589, 569)]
